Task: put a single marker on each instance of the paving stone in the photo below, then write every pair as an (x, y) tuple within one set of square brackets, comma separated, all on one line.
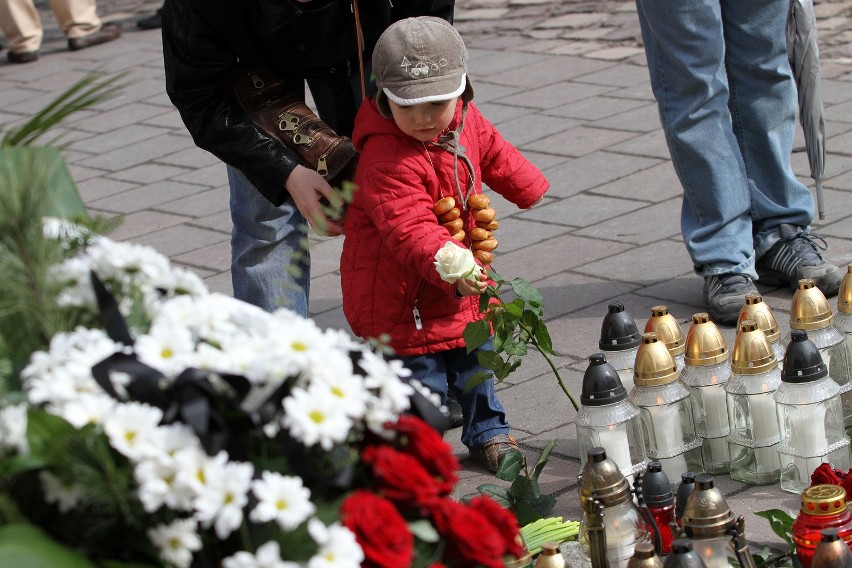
[(122, 116), (491, 64), (563, 253), (574, 20), (485, 92), (648, 224), (94, 189), (220, 283), (325, 257), (515, 233), (614, 53), (148, 173), (656, 183), (79, 174), (533, 127), (215, 257), (592, 170), (200, 204), (193, 157), (575, 48), (220, 221), (568, 292), (144, 222), (482, 14), (117, 138), (580, 210), (652, 145), (213, 175), (645, 265), (139, 152), (594, 108), (143, 197), (554, 95), (579, 141), (546, 71), (177, 240)]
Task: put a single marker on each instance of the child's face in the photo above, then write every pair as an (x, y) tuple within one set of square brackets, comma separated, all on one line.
[(425, 121)]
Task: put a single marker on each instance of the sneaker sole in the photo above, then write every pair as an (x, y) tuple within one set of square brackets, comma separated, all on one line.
[(775, 278)]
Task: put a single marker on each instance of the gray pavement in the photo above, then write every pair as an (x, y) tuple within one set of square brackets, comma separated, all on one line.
[(564, 81)]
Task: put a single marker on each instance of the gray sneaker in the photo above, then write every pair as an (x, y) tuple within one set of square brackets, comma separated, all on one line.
[(725, 295), (796, 256)]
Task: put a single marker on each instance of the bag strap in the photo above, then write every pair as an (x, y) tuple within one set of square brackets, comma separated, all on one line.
[(360, 37)]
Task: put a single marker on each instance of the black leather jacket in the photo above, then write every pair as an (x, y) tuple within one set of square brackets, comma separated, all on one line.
[(204, 40)]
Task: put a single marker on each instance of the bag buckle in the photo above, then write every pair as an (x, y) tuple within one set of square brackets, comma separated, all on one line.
[(287, 121), (322, 165), (302, 139)]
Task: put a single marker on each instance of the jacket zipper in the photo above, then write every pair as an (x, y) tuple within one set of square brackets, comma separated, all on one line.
[(415, 311)]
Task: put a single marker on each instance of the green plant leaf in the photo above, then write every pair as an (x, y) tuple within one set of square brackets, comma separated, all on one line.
[(542, 338), (43, 431), (529, 511), (510, 466), (781, 523), (498, 493), (475, 334), (525, 489), (525, 290), (515, 307), (476, 379), (489, 359), (26, 546), (542, 459)]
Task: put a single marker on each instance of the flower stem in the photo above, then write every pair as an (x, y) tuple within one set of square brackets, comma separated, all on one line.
[(552, 367)]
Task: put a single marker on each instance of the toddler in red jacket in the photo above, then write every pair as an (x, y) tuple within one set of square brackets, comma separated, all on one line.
[(421, 141)]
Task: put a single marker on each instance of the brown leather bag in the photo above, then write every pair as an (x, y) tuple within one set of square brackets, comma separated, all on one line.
[(280, 113)]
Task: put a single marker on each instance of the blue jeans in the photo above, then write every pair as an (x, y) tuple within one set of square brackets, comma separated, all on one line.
[(727, 103), (270, 259), (484, 416)]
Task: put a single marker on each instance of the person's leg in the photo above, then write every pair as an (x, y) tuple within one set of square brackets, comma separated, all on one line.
[(76, 18), (270, 258), (685, 49), (21, 25)]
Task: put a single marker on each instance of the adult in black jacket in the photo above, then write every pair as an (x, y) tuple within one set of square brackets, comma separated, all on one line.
[(311, 41)]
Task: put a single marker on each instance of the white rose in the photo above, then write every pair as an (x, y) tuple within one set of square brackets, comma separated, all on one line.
[(454, 263)]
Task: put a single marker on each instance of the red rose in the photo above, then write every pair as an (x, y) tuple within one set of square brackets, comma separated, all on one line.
[(824, 474), (400, 477), (379, 529), (471, 539), (417, 438), (503, 520)]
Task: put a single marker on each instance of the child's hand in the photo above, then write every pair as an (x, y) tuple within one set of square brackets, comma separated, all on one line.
[(465, 287)]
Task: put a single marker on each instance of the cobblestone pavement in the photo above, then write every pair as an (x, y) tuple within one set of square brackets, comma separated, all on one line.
[(564, 81)]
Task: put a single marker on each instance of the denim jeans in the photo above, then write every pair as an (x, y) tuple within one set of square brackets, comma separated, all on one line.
[(270, 259), (484, 416), (727, 103)]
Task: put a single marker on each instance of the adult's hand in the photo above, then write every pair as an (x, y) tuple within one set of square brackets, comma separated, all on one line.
[(307, 187)]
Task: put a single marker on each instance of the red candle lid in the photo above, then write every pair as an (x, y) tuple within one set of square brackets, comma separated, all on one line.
[(822, 500)]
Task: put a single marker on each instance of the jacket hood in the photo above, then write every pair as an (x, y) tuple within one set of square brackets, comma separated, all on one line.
[(369, 122)]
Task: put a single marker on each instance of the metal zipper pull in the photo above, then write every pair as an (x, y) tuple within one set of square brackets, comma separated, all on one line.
[(418, 323)]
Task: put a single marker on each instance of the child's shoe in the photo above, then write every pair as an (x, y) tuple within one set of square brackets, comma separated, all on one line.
[(490, 454)]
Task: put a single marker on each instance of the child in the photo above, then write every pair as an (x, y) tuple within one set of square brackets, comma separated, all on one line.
[(421, 140)]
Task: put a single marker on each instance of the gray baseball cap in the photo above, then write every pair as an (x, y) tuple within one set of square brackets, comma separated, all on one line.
[(420, 60)]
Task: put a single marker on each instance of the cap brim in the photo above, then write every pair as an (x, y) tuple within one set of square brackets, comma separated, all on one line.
[(465, 90)]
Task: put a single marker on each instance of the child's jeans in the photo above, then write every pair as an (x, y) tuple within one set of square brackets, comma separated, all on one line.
[(484, 416)]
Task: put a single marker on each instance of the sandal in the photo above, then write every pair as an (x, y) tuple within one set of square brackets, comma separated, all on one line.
[(491, 453)]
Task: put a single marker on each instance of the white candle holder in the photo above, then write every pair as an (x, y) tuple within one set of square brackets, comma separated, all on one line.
[(753, 439), (809, 416), (663, 401), (706, 372), (607, 419)]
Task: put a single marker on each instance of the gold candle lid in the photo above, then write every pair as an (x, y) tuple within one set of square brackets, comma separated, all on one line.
[(752, 354), (810, 309), (757, 310), (602, 480), (655, 365), (645, 557), (704, 343), (844, 296), (667, 329), (706, 514), (823, 500)]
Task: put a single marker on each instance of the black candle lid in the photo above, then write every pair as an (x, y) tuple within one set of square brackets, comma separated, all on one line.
[(601, 384), (656, 488), (687, 484), (802, 361), (618, 330)]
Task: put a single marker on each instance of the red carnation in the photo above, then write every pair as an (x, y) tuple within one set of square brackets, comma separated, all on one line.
[(825, 474), (380, 530), (471, 539), (503, 520), (400, 477), (417, 438)]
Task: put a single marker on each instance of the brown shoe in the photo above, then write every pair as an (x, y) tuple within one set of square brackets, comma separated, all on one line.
[(491, 453), (107, 33)]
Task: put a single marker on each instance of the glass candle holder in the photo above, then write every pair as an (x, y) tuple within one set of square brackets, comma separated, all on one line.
[(611, 525), (657, 492), (687, 484), (608, 420), (669, 332), (840, 369), (619, 341), (759, 312), (754, 436), (706, 372), (666, 411), (811, 312), (810, 418), (684, 555), (823, 507), (645, 557)]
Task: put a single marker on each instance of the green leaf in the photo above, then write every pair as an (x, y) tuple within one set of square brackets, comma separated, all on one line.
[(515, 307), (525, 290), (510, 466), (502, 335), (43, 170), (518, 349), (542, 338), (475, 334), (476, 379), (498, 493), (781, 523), (423, 530), (26, 546), (43, 431), (542, 459), (484, 300), (525, 489), (530, 511), (489, 359)]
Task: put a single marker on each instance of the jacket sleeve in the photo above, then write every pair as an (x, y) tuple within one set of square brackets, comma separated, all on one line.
[(504, 168), (199, 67), (401, 209)]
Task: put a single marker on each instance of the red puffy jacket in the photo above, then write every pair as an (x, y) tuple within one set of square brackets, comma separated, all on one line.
[(392, 235)]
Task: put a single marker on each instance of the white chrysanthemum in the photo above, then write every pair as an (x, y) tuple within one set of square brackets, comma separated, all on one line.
[(85, 409), (268, 556), (132, 429), (176, 541), (13, 428), (313, 416), (299, 340), (65, 495), (385, 376), (283, 499), (337, 546), (222, 501), (168, 349), (195, 468), (335, 373), (75, 275), (119, 260), (158, 486)]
